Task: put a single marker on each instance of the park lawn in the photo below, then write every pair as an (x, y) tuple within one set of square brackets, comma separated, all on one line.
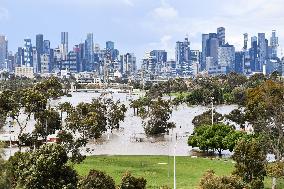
[(188, 170)]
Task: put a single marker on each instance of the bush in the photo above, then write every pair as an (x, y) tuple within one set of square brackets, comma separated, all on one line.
[(97, 180), (130, 182)]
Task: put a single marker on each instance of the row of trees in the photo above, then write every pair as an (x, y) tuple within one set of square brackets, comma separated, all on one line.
[(223, 89)]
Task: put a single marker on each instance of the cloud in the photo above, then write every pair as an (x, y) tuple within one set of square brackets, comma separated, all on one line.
[(165, 43), (128, 2), (237, 17), (165, 12), (4, 13)]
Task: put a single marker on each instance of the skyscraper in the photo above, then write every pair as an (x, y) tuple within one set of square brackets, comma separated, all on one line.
[(239, 62), (38, 52), (262, 51), (109, 45), (274, 44), (89, 51), (3, 51), (46, 47), (253, 54), (226, 57), (39, 43), (111, 50), (221, 36), (28, 53), (64, 45), (183, 57), (205, 37), (212, 45), (245, 41)]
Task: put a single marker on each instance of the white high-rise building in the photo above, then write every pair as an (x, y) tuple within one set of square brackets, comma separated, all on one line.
[(226, 57), (64, 45)]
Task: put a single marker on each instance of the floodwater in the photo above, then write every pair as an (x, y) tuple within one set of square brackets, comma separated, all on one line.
[(130, 140)]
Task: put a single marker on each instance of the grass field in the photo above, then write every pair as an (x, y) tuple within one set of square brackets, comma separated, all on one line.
[(155, 169)]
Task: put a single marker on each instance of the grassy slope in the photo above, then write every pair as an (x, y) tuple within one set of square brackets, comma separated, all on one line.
[(189, 170)]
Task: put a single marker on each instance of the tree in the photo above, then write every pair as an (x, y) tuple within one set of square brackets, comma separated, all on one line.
[(211, 181), (155, 121), (4, 182), (276, 171), (130, 182), (237, 116), (47, 122), (206, 118), (51, 87), (264, 110), (250, 158), (211, 137), (116, 113), (44, 168), (97, 180), (88, 121)]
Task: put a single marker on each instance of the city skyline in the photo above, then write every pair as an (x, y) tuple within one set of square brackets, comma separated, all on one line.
[(138, 26)]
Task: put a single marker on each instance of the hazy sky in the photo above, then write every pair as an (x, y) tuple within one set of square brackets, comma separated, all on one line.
[(139, 25)]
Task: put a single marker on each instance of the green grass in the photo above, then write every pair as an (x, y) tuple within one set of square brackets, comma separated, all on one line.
[(188, 170)]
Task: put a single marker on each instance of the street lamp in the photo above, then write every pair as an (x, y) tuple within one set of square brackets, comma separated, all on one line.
[(212, 112), (175, 146), (10, 133)]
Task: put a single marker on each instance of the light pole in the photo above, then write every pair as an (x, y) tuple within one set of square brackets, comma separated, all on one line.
[(175, 146), (10, 132), (212, 112), (175, 165)]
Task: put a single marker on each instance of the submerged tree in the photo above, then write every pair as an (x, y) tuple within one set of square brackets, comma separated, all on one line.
[(156, 120)]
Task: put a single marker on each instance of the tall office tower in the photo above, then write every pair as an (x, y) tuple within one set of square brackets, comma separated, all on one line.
[(109, 45), (46, 47), (36, 61), (262, 51), (128, 64), (149, 65), (39, 43), (254, 54), (11, 62), (64, 45), (274, 44), (239, 62), (45, 63), (212, 45), (183, 58), (205, 37), (161, 57), (226, 57), (39, 51), (221, 36), (89, 52), (3, 51), (111, 50), (20, 57), (28, 53), (195, 56), (245, 41)]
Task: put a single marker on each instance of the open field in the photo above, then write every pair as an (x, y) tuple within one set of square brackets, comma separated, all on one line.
[(155, 169)]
